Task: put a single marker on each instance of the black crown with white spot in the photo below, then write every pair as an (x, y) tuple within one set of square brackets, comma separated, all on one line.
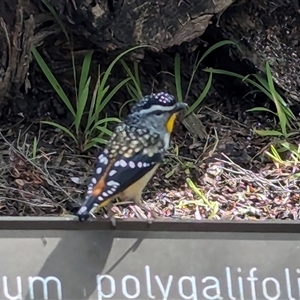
[(162, 99)]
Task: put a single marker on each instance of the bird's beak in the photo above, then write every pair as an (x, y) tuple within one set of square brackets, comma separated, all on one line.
[(180, 106), (180, 110)]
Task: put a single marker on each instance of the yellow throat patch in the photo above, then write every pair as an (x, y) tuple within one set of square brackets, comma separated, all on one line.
[(171, 122)]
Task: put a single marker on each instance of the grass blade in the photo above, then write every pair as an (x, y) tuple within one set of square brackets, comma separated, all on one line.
[(243, 78), (104, 130), (34, 147), (137, 76), (84, 72), (52, 80), (206, 53), (60, 23), (107, 120), (96, 109), (268, 132), (93, 104), (177, 74), (137, 87), (132, 91), (109, 69), (201, 97), (261, 109), (81, 105), (63, 128), (262, 81), (123, 105), (94, 141), (103, 102), (281, 114), (218, 45)]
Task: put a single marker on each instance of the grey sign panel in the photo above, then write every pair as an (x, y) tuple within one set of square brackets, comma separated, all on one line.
[(144, 264)]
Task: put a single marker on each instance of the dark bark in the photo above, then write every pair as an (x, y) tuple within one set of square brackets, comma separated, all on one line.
[(16, 35), (116, 24), (107, 25), (18, 31)]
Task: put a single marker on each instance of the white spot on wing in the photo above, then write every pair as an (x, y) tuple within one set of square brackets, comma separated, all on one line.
[(140, 164), (123, 163), (131, 164), (113, 183), (99, 170), (112, 172), (82, 210), (103, 160), (117, 163), (94, 180), (104, 194)]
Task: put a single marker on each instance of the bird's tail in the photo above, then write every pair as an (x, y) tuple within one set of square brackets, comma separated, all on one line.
[(89, 205)]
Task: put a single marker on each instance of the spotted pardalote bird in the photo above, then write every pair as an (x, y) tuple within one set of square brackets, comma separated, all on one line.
[(133, 154)]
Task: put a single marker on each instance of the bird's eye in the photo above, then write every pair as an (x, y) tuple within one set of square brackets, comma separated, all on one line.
[(158, 113)]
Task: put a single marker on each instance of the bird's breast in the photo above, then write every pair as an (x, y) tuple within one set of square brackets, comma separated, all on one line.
[(135, 190)]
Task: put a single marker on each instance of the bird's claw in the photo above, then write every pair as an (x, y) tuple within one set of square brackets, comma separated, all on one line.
[(113, 221)]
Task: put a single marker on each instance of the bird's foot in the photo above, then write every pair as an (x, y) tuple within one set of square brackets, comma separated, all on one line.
[(111, 214), (113, 221)]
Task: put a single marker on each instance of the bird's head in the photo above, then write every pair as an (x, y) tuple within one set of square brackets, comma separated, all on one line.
[(159, 110)]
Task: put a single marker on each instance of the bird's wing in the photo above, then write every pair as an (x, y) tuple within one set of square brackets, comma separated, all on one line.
[(123, 162)]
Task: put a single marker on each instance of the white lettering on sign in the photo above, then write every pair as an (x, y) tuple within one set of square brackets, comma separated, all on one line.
[(265, 289), (241, 285), (191, 287), (148, 284), (137, 287), (233, 284), (19, 289), (112, 291), (298, 281), (252, 280), (44, 281), (229, 283), (288, 284), (215, 287), (164, 290)]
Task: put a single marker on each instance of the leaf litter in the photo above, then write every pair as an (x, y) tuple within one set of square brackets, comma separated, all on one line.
[(225, 177)]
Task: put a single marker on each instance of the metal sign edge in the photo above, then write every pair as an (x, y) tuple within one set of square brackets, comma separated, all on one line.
[(71, 223)]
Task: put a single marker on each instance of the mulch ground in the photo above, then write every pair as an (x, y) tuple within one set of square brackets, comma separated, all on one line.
[(233, 176), (229, 168)]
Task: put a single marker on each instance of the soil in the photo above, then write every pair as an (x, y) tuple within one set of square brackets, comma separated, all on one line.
[(229, 167)]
